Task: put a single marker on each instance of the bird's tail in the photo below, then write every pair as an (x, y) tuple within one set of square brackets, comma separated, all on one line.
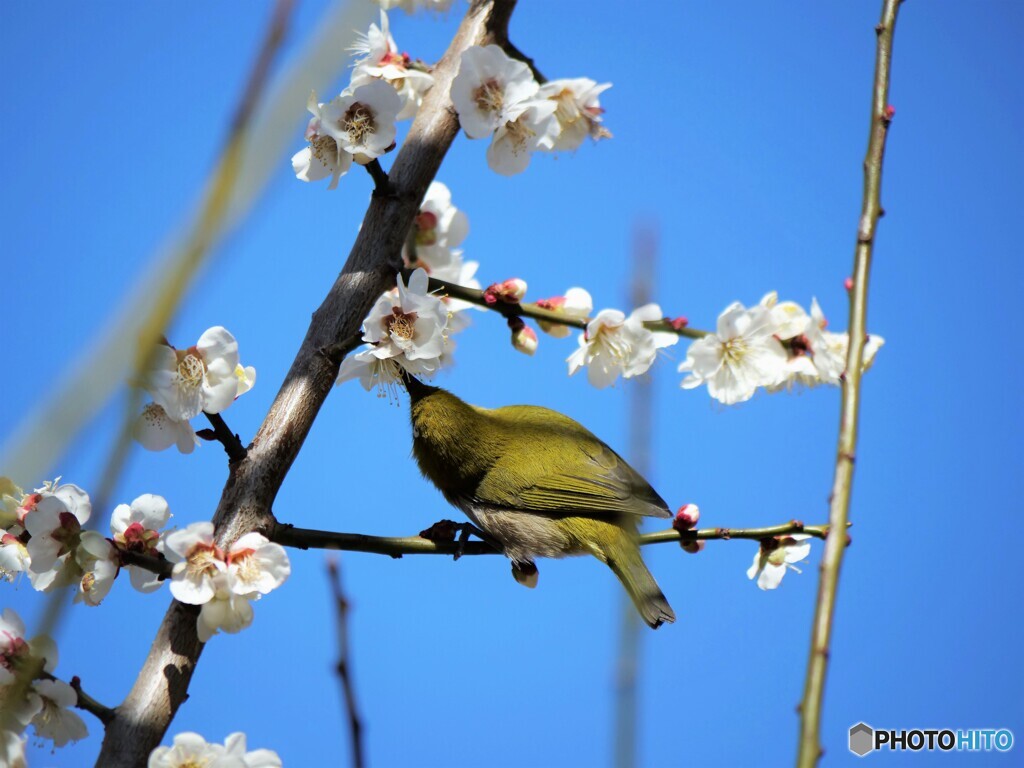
[(624, 559)]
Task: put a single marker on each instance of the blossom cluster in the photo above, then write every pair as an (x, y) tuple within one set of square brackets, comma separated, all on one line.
[(204, 378), (43, 535), (359, 123), (29, 694), (191, 750), (224, 583), (497, 97), (775, 345)]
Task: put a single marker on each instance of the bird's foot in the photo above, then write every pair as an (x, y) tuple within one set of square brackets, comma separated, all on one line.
[(445, 530)]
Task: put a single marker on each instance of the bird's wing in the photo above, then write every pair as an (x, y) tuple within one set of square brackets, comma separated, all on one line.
[(594, 482)]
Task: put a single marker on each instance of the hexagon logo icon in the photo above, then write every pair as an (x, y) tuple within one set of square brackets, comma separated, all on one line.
[(862, 739)]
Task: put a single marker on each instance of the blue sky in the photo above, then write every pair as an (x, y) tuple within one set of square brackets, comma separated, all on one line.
[(739, 131)]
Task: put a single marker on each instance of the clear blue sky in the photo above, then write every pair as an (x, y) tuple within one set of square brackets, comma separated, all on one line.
[(740, 129)]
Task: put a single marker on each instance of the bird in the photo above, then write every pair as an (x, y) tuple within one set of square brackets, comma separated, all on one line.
[(538, 484)]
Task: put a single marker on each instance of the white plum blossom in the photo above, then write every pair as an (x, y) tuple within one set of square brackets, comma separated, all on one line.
[(362, 119), (257, 564), (615, 345), (246, 376), (97, 557), (407, 328), (534, 129), (439, 228), (742, 355), (154, 430), (576, 304), (53, 517), (461, 273), (490, 90), (828, 350), (578, 110), (197, 562), (55, 721), (777, 555), (191, 750), (14, 556), (187, 382), (136, 528), (226, 609), (324, 156), (234, 745), (380, 59), (12, 749)]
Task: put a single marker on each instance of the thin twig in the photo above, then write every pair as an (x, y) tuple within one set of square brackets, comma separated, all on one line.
[(344, 666), (398, 546), (817, 663), (86, 702), (157, 565), (476, 296), (222, 434), (381, 183)]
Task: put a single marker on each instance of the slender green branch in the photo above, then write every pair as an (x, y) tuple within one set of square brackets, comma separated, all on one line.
[(397, 546), (821, 631), (476, 296)]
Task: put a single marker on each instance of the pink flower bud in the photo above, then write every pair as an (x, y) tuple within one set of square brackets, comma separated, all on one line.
[(890, 112), (848, 283), (511, 291), (686, 517), (524, 339), (692, 547), (679, 323)]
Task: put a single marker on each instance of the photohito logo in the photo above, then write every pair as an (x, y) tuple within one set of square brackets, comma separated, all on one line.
[(865, 739)]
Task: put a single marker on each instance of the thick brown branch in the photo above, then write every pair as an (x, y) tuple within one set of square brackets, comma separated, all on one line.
[(245, 503), (871, 209)]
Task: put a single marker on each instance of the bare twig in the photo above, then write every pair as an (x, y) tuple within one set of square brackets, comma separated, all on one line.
[(222, 434), (245, 505), (89, 704), (344, 665), (398, 546), (881, 116)]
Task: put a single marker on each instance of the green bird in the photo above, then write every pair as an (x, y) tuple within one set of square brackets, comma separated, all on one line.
[(538, 484)]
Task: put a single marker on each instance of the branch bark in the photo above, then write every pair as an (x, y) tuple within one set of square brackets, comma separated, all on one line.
[(871, 210), (253, 483)]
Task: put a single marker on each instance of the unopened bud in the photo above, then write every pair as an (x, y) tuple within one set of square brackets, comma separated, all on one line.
[(848, 283), (692, 546), (686, 517), (524, 338), (511, 291), (890, 112), (679, 323)]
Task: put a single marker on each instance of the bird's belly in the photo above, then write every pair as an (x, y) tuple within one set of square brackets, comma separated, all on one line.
[(523, 535)]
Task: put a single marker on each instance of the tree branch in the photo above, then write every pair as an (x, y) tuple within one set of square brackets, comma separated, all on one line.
[(821, 631), (344, 666), (532, 310), (245, 504), (398, 546), (222, 434), (89, 704)]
